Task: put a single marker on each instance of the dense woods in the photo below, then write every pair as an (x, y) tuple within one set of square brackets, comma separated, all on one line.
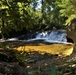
[(34, 15)]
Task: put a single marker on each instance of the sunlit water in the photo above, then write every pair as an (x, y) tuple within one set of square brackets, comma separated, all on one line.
[(56, 36)]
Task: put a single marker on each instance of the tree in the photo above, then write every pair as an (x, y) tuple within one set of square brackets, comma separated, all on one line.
[(68, 8), (51, 16), (23, 14), (16, 14)]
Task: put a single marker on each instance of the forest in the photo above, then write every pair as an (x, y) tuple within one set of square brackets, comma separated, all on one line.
[(21, 17)]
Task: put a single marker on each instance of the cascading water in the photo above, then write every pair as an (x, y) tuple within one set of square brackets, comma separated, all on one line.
[(43, 35), (56, 36)]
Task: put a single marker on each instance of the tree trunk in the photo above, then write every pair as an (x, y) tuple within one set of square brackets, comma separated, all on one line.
[(71, 33), (2, 28), (42, 6)]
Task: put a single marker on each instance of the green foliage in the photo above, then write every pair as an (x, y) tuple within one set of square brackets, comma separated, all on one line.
[(67, 9), (16, 15), (23, 14), (51, 16)]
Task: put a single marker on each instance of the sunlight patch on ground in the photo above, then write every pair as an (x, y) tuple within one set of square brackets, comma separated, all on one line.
[(60, 49)]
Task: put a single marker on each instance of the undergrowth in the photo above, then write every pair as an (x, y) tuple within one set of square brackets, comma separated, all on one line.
[(21, 57)]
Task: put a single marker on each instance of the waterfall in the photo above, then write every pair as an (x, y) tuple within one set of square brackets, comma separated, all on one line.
[(43, 35), (55, 36)]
